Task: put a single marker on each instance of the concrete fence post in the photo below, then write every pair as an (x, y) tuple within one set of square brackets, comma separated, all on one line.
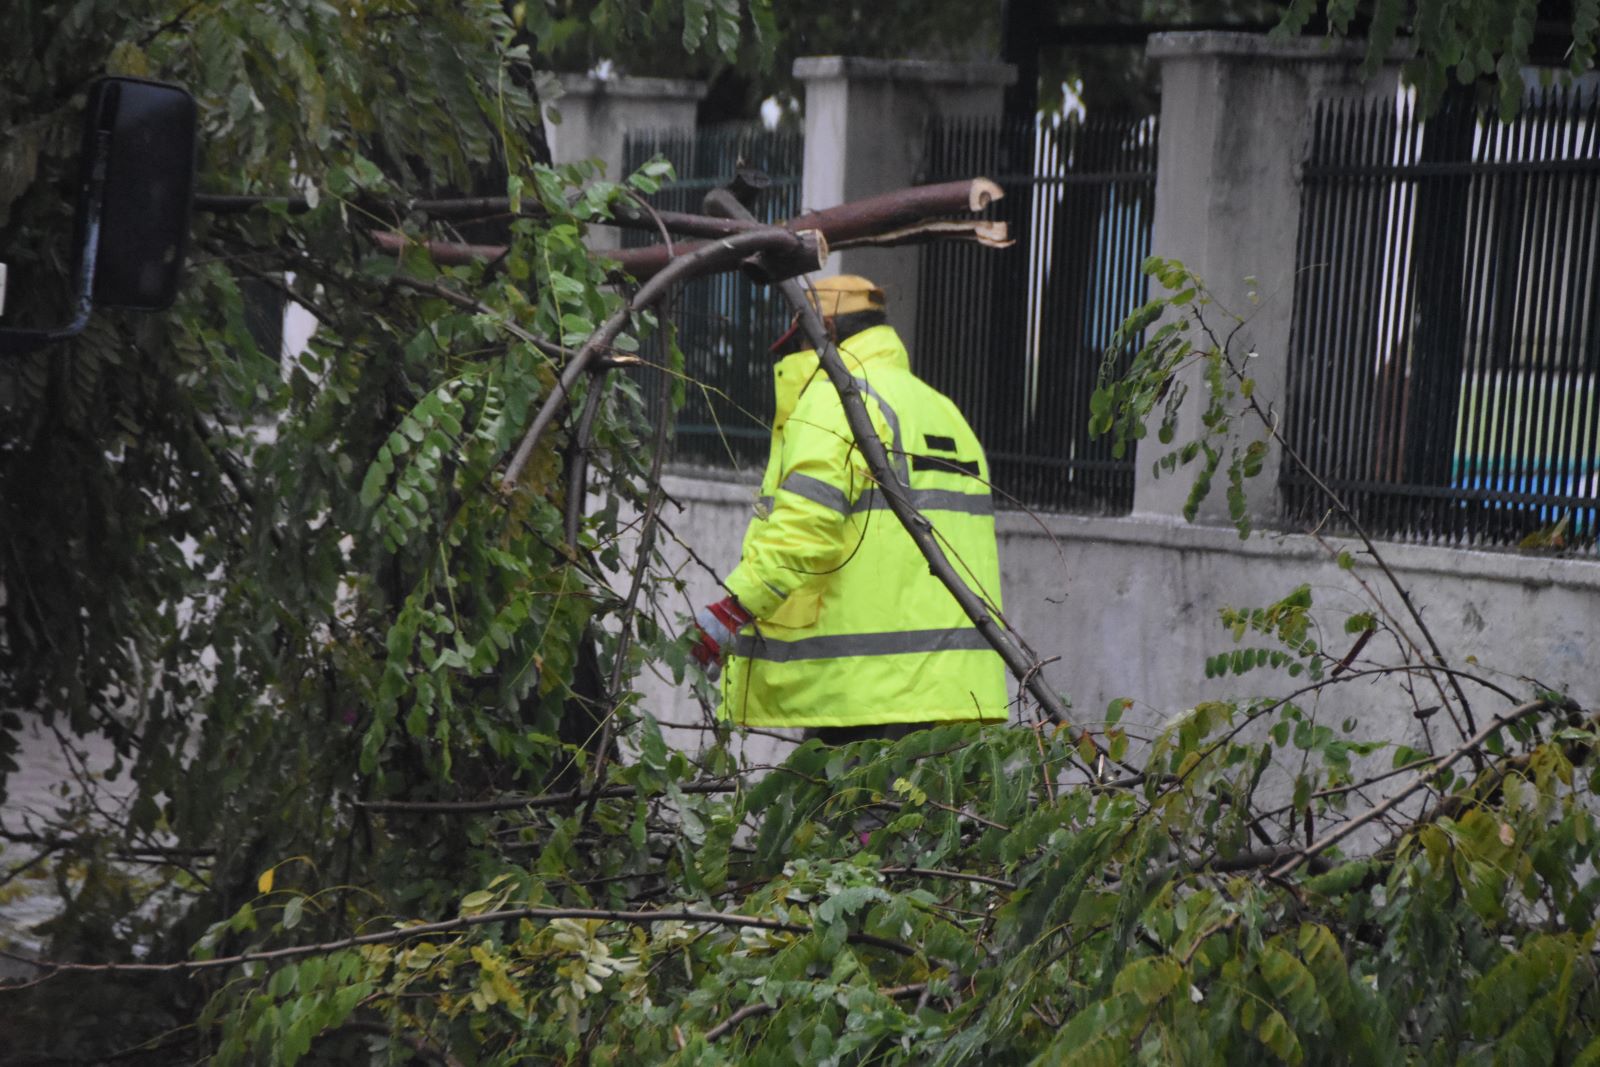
[(597, 114), (865, 125), (1236, 113)]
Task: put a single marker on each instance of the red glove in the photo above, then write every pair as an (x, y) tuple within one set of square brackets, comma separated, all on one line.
[(717, 624)]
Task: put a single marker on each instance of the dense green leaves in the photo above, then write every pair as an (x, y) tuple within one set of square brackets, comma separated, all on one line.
[(276, 586), (1056, 922), (287, 595)]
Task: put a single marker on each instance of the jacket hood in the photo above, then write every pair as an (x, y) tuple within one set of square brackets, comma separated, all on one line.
[(879, 346)]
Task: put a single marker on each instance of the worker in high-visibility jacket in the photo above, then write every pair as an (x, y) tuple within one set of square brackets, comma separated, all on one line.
[(835, 622)]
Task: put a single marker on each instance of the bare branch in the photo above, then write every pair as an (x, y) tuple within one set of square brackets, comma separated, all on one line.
[(960, 876), (635, 918)]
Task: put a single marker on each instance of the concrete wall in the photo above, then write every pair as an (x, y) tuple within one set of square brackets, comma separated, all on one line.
[(1128, 607)]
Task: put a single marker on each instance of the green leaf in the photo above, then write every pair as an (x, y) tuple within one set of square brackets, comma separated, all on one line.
[(1275, 1033), (695, 14), (1293, 987), (1150, 979), (1342, 879)]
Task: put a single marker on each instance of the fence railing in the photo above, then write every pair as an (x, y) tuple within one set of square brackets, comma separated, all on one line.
[(1016, 338), (1446, 339), (725, 323)]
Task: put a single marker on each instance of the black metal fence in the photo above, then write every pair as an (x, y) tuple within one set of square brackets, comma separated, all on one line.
[(725, 323), (1446, 344), (1016, 338)]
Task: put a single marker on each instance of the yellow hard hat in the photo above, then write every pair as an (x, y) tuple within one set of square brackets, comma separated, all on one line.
[(845, 294)]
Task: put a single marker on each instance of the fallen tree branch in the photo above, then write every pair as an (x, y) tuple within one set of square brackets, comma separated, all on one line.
[(635, 918), (988, 233), (903, 214)]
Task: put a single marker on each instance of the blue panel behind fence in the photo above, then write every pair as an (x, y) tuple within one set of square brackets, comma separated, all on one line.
[(1446, 339)]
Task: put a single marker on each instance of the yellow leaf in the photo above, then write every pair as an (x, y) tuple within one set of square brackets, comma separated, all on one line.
[(264, 883)]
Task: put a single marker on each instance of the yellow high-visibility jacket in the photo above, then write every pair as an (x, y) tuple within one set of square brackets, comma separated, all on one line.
[(851, 627)]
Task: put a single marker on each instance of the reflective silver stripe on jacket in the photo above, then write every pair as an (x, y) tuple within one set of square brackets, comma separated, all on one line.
[(817, 491), (930, 500), (833, 646), (835, 499), (874, 499)]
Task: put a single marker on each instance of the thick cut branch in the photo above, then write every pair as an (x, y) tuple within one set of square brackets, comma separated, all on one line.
[(989, 233), (855, 221), (894, 218)]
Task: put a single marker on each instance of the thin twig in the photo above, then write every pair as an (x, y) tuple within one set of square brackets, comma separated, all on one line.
[(749, 1011), (647, 544), (1289, 451), (1472, 745), (960, 876)]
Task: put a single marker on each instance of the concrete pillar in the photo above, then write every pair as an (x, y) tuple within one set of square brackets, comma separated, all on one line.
[(865, 124), (1235, 122), (597, 114)]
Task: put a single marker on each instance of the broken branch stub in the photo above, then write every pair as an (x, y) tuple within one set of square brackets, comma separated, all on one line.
[(769, 268), (989, 233)]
